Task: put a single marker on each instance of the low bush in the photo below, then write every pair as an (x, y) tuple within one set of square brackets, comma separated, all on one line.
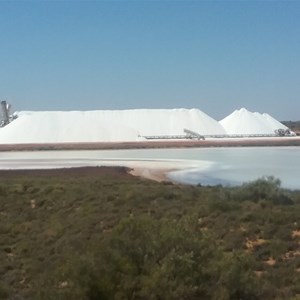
[(119, 237)]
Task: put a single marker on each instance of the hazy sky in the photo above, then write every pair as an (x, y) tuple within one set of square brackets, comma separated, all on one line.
[(213, 55)]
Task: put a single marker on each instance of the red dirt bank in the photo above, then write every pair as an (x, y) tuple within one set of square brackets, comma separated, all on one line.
[(284, 141)]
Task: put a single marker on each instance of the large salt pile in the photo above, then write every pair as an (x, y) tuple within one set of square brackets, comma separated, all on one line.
[(105, 125), (245, 122)]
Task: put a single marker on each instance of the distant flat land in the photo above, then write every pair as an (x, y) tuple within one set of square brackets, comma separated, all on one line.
[(245, 142)]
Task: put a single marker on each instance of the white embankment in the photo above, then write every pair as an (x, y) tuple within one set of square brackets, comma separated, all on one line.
[(129, 125), (245, 122)]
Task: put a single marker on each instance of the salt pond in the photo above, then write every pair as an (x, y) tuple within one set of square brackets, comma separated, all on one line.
[(227, 166)]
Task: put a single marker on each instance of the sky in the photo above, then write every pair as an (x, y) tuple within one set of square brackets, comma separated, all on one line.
[(216, 56)]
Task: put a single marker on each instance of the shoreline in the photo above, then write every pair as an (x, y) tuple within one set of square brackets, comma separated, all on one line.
[(152, 170), (159, 175), (235, 142), (155, 174)]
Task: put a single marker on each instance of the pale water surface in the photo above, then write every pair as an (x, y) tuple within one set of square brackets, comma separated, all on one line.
[(208, 166)]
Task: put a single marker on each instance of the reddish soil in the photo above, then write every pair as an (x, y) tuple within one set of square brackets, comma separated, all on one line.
[(63, 172), (284, 141)]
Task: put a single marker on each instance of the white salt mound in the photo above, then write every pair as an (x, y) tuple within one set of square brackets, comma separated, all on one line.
[(245, 122), (105, 125)]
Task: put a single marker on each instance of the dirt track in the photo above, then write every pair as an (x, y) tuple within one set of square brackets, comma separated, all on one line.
[(246, 142)]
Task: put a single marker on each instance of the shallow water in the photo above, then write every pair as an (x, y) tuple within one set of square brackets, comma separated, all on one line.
[(234, 166), (227, 166)]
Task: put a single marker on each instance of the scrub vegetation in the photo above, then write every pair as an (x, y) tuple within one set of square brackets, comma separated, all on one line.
[(113, 236), (293, 125)]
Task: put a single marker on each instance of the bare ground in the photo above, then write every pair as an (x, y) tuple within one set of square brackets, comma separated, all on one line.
[(158, 175), (245, 142), (63, 172)]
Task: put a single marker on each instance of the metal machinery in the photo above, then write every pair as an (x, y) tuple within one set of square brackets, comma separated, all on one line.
[(189, 134), (283, 132), (193, 135), (6, 118)]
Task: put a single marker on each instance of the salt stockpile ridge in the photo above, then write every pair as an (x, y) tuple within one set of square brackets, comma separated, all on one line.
[(245, 122), (105, 125)]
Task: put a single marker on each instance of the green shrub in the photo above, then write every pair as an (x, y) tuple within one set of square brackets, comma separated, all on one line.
[(266, 188), (4, 292), (179, 242)]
